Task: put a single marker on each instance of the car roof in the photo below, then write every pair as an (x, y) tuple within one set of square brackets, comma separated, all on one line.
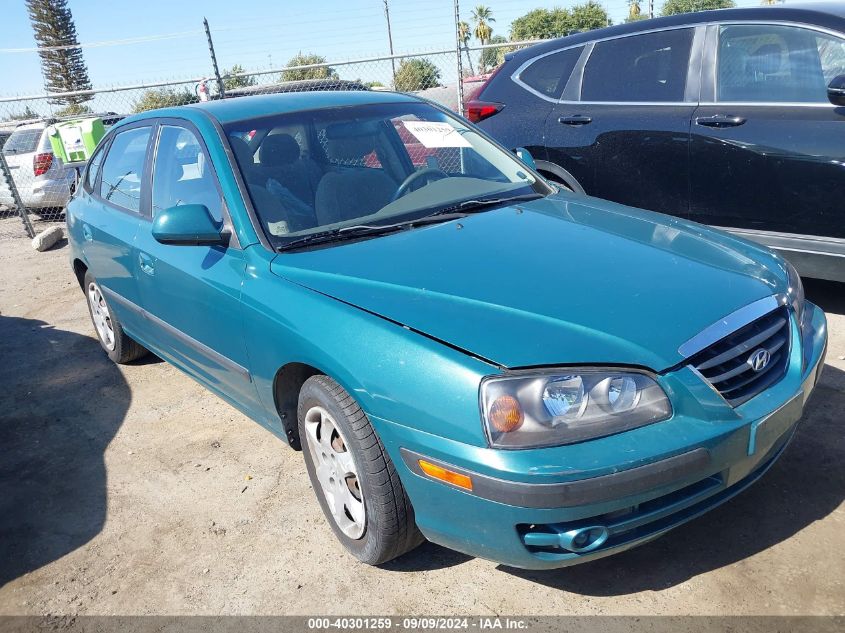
[(824, 14), (231, 110)]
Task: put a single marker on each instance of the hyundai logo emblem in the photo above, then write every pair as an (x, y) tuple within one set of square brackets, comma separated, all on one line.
[(759, 360)]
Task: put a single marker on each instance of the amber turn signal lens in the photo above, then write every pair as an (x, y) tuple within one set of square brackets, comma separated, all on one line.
[(450, 477), (505, 414)]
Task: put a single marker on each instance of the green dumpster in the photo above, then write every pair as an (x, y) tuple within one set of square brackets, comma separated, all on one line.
[(75, 140)]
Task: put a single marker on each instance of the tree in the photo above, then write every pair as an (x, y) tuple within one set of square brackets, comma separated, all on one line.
[(673, 7), (416, 74), (28, 113), (482, 17), (62, 64), (164, 98), (243, 81), (323, 72), (73, 109), (541, 24), (492, 57), (588, 16), (464, 33), (550, 23)]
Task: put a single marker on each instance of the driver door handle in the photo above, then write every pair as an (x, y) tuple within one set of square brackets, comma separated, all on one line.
[(720, 120), (575, 119), (147, 263)]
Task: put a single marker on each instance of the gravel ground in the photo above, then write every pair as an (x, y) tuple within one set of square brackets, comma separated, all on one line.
[(132, 490)]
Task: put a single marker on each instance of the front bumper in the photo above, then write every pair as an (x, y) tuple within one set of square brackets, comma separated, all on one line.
[(526, 507)]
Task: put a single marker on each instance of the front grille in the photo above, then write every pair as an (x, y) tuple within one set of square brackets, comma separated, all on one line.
[(727, 364)]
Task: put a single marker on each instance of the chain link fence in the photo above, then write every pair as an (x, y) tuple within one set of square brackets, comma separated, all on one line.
[(35, 185)]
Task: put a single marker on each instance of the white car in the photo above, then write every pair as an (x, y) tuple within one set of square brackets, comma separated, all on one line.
[(42, 180)]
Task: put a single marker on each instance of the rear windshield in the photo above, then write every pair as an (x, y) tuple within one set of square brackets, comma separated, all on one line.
[(22, 141)]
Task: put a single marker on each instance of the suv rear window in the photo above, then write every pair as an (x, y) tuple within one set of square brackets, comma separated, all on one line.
[(22, 141), (548, 75)]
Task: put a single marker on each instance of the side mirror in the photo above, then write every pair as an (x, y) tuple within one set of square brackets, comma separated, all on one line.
[(836, 90), (187, 225), (525, 156)]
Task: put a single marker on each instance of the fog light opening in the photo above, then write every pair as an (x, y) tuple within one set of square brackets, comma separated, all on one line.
[(584, 539)]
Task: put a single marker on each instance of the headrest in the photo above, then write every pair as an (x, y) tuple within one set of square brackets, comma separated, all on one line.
[(278, 150), (766, 60), (351, 141), (242, 152)]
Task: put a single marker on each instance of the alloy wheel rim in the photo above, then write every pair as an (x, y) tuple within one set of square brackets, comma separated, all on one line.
[(101, 316), (336, 471)]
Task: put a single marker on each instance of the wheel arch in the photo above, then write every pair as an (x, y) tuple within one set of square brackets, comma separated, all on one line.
[(558, 173), (79, 270), (287, 383)]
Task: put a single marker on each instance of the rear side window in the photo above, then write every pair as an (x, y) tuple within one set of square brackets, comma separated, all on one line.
[(649, 68), (777, 64), (123, 167), (548, 75), (22, 141)]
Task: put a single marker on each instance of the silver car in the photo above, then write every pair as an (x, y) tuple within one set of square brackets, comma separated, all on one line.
[(42, 180)]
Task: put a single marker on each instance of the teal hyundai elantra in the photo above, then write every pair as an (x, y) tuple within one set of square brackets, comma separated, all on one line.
[(463, 352)]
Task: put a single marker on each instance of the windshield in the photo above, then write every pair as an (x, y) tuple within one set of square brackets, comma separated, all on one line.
[(325, 171), (22, 141)]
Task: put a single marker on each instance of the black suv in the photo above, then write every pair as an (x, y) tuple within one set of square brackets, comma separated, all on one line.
[(734, 118)]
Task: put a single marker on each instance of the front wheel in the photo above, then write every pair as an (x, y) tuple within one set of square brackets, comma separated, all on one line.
[(354, 479)]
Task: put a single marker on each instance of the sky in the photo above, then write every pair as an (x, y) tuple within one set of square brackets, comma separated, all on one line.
[(257, 34)]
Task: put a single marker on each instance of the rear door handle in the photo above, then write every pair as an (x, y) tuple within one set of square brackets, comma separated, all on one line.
[(575, 119), (720, 120), (147, 263)]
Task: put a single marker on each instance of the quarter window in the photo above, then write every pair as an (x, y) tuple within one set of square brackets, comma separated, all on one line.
[(777, 64), (651, 67), (548, 75), (123, 167), (183, 173), (94, 168)]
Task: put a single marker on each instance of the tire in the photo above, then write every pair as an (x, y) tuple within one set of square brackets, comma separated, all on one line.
[(376, 524), (114, 341)]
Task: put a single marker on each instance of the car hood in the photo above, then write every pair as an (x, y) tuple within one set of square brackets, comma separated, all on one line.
[(559, 280)]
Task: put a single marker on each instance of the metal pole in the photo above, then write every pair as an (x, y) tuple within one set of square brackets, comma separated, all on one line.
[(650, 8), (390, 41), (7, 176), (220, 87), (458, 59)]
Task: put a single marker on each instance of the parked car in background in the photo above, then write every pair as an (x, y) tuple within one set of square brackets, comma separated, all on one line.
[(300, 85), (463, 352), (732, 118), (43, 182)]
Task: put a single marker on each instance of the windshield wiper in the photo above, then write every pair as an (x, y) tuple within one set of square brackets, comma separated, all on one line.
[(468, 206), (364, 230)]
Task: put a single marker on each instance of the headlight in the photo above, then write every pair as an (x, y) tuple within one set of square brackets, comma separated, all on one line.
[(795, 293), (550, 408)]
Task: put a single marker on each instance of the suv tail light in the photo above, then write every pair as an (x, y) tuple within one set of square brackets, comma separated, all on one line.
[(479, 110), (41, 163), (476, 109)]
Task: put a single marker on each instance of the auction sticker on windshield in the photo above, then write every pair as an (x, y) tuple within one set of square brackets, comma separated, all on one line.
[(436, 134)]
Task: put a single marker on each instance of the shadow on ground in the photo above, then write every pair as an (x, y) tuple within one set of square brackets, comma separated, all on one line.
[(61, 403)]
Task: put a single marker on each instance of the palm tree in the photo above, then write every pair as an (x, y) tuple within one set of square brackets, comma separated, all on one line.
[(464, 34), (482, 16), (633, 10)]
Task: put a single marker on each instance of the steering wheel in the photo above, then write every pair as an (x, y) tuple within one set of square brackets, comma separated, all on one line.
[(429, 173)]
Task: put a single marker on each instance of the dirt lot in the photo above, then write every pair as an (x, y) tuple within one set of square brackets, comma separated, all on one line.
[(133, 490)]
